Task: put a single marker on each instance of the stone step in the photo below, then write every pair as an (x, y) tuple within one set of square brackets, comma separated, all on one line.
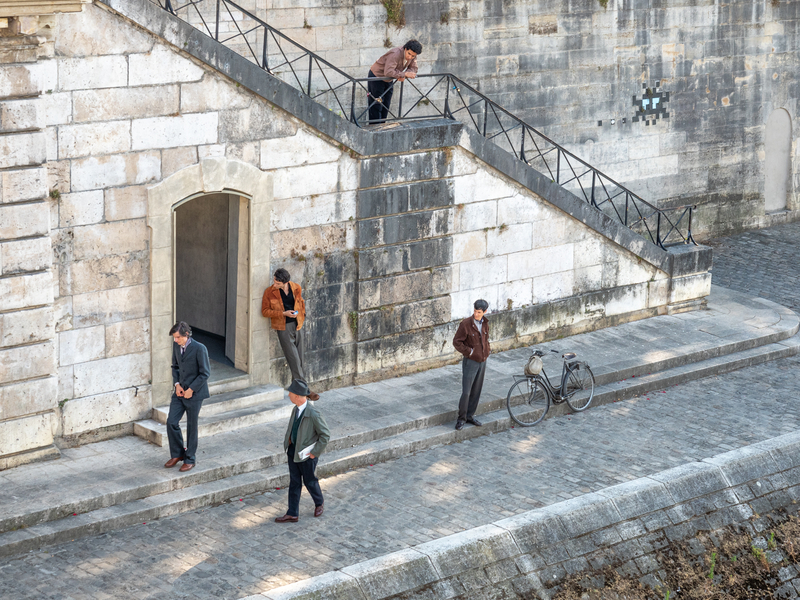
[(266, 412), (229, 401), (219, 483), (229, 384)]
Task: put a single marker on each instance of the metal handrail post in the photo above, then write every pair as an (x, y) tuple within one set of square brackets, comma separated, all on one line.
[(558, 165), (310, 67), (447, 113), (400, 102), (522, 145), (264, 64), (353, 116), (216, 28), (658, 230), (485, 115), (594, 175)]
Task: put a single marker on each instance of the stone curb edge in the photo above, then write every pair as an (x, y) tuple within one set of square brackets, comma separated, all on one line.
[(774, 462)]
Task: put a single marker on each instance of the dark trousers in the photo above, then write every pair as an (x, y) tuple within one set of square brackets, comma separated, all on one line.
[(471, 385), (299, 474), (378, 111), (177, 407), (291, 341)]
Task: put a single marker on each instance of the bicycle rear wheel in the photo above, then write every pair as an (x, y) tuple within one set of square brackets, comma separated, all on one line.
[(527, 402), (580, 387)]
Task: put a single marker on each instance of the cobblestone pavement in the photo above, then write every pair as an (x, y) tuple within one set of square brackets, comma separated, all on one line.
[(764, 263), (234, 550)]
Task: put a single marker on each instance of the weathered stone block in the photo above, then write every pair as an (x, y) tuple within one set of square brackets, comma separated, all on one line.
[(110, 306), (81, 345), (109, 374), (26, 433), (169, 132), (586, 513), (690, 287), (508, 238), (303, 148), (105, 273), (638, 497), (81, 208), (116, 170), (475, 216), (92, 72), (175, 159), (308, 180), (27, 397), (487, 271), (785, 450), (744, 464), (515, 294), (104, 410), (539, 262), (691, 480), (626, 299), (393, 574), (20, 80), (19, 186), (124, 103), (385, 170), (110, 137), (26, 326), (162, 65), (468, 550), (397, 259), (33, 254), (26, 291), (121, 237), (212, 93), (94, 31), (334, 585), (22, 150), (125, 203), (535, 529), (27, 362), (306, 211), (19, 114), (485, 186)]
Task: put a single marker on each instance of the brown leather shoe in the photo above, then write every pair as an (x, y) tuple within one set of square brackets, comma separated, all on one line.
[(186, 467), (318, 510), (313, 396), (287, 519), (172, 462)]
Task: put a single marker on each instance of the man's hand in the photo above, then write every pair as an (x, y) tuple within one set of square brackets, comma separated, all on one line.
[(179, 390), (411, 75), (288, 313), (188, 393), (311, 456)]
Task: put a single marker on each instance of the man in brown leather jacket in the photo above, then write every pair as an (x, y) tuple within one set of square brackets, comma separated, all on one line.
[(472, 340), (283, 304)]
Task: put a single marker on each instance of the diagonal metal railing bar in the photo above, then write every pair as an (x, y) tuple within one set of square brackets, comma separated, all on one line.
[(445, 96)]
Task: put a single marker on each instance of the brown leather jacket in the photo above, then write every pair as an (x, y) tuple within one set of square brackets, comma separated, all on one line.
[(272, 306), (473, 345)]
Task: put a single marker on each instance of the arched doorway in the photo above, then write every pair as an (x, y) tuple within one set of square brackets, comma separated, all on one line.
[(211, 233), (777, 162)]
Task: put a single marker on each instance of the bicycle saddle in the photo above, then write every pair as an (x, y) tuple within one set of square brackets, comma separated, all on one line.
[(569, 356)]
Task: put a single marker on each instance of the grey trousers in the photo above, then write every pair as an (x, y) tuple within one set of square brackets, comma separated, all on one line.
[(472, 373), (291, 341)]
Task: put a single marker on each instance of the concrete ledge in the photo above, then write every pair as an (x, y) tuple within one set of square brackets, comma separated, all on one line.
[(579, 534), (331, 586)]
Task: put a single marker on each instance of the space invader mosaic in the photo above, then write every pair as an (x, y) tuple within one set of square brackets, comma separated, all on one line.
[(651, 106)]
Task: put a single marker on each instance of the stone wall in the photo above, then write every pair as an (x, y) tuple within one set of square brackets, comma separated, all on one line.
[(392, 234), (566, 65), (623, 527)]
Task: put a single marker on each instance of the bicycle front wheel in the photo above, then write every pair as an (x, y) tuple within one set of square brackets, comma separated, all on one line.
[(527, 402), (580, 387)]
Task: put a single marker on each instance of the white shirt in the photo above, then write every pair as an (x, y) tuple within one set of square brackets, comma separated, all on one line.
[(300, 409)]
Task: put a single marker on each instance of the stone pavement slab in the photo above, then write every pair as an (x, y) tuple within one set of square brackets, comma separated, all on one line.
[(235, 549), (127, 469)]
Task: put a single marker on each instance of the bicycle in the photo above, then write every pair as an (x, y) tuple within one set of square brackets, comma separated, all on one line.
[(537, 392)]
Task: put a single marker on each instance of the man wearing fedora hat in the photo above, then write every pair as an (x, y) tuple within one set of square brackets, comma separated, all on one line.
[(306, 438)]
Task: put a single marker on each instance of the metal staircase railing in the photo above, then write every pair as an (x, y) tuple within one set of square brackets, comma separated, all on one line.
[(429, 96)]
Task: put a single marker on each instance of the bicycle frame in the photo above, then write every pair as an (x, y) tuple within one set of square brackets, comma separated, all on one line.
[(558, 394)]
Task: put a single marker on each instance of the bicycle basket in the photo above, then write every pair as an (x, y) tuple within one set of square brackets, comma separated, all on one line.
[(534, 366)]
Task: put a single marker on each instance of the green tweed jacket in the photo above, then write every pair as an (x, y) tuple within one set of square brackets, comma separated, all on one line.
[(312, 430)]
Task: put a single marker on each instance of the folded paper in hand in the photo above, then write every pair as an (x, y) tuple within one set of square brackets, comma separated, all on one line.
[(303, 454)]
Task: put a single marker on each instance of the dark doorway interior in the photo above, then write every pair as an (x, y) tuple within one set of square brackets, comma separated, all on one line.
[(205, 271)]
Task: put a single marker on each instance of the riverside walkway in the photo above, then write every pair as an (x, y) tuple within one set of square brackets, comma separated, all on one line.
[(235, 549)]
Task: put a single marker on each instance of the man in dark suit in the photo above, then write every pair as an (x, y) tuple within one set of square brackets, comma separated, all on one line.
[(306, 438), (190, 372)]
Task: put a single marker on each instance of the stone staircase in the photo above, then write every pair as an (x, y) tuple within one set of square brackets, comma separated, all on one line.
[(228, 409)]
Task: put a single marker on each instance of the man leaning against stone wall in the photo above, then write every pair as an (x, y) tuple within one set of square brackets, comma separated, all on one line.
[(283, 304)]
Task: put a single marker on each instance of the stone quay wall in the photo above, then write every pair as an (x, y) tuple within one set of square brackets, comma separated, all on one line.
[(622, 527), (564, 66), (392, 234)]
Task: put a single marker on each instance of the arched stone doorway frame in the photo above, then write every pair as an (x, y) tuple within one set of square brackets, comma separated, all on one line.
[(779, 176), (209, 176)]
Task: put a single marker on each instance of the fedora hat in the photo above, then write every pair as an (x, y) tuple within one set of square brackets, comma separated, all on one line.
[(299, 388)]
